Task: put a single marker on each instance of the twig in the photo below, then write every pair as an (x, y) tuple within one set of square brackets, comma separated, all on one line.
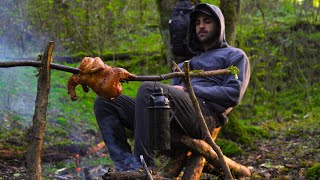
[(60, 177), (8, 64), (175, 67), (145, 167), (202, 122)]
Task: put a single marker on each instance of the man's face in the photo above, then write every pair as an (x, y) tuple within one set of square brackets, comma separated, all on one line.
[(205, 29)]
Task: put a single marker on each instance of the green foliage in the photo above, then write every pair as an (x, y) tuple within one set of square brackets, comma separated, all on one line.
[(215, 2), (100, 27), (283, 58), (18, 89), (12, 129), (55, 130), (99, 161), (313, 172), (196, 71), (234, 70), (131, 88)]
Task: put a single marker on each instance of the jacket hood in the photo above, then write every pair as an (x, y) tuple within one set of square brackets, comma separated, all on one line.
[(220, 40)]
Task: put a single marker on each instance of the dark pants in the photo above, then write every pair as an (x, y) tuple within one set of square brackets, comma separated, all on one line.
[(113, 116)]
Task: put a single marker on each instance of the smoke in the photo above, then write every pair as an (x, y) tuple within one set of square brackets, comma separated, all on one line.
[(17, 42), (18, 91)]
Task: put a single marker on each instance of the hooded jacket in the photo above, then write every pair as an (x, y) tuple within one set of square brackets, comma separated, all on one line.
[(222, 91)]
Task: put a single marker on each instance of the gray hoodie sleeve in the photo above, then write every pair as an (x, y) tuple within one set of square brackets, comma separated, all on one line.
[(230, 92)]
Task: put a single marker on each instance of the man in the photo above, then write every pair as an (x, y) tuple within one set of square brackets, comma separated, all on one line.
[(206, 37)]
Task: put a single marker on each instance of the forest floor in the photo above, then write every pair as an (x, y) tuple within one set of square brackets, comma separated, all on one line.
[(282, 156)]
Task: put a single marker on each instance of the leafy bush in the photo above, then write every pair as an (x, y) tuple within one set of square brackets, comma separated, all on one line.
[(313, 173)]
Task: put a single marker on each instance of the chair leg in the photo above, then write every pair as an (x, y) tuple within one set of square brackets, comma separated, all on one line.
[(194, 169), (175, 165)]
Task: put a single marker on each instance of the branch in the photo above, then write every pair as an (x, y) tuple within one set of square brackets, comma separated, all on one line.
[(8, 64), (175, 67), (59, 67), (202, 122)]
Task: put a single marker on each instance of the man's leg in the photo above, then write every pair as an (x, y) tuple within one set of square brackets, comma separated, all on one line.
[(112, 117), (182, 109)]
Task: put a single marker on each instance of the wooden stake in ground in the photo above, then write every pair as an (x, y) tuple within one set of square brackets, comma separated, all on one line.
[(36, 132)]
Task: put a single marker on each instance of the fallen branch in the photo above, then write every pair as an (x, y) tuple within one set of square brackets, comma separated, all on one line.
[(11, 153), (53, 153)]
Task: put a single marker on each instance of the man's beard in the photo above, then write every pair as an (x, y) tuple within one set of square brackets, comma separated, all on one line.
[(208, 38)]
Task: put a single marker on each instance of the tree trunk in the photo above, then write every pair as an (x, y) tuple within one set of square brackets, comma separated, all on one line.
[(231, 12), (165, 7), (36, 132)]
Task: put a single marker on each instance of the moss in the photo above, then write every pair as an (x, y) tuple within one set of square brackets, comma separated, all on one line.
[(235, 131), (313, 173), (229, 148), (63, 143), (55, 130), (14, 147), (256, 131), (100, 161)]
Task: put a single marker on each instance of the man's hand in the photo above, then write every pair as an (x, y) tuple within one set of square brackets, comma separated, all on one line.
[(179, 87)]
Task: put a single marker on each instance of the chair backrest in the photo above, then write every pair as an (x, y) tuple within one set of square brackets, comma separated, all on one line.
[(227, 111)]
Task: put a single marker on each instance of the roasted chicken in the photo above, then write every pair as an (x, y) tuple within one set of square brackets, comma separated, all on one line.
[(104, 80)]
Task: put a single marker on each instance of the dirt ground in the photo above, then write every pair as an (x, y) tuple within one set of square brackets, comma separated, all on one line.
[(282, 158), (279, 157)]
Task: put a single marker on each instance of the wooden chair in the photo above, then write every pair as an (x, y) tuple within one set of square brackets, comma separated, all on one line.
[(201, 154)]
